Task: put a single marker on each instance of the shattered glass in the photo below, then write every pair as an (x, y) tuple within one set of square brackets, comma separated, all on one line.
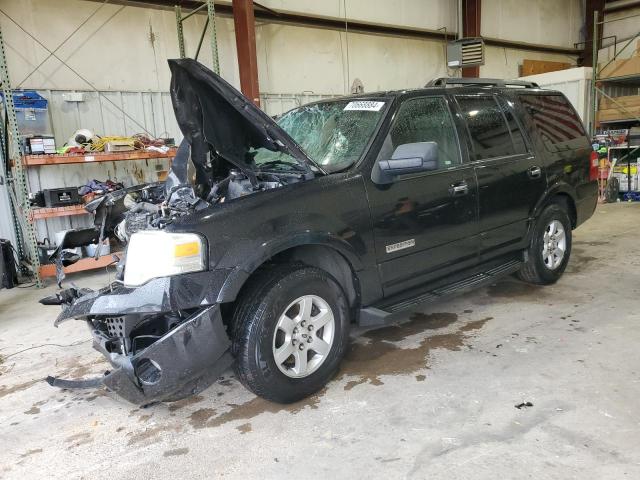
[(333, 137)]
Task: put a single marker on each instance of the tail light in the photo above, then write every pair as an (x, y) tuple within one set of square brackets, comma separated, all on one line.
[(593, 167)]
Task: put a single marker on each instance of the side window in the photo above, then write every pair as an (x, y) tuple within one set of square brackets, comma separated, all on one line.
[(519, 144), (490, 135), (425, 119), (556, 120)]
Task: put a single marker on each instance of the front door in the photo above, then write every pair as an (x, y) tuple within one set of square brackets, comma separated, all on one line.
[(511, 179), (424, 223)]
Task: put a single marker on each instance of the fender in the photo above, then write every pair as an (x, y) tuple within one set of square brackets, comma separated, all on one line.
[(265, 251), (558, 187), (555, 189)]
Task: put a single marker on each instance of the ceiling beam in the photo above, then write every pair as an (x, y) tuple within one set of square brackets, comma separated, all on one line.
[(331, 23), (620, 5)]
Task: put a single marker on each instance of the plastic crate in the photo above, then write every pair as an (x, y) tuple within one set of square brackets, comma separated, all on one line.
[(32, 113)]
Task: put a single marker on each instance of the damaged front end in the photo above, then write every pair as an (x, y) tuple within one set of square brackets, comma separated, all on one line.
[(159, 324), (160, 346)]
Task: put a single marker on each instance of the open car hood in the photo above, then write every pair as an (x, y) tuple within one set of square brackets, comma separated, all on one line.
[(214, 116)]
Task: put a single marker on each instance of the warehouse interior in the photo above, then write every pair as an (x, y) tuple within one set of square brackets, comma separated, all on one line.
[(511, 378)]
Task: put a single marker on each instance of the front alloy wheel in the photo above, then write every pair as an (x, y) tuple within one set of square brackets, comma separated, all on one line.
[(290, 331), (303, 336)]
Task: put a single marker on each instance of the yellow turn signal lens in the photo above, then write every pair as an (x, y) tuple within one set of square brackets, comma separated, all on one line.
[(187, 249)]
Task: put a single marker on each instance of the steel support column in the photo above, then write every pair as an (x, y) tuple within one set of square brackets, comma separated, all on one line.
[(179, 30), (471, 23), (587, 54), (211, 19), (244, 21)]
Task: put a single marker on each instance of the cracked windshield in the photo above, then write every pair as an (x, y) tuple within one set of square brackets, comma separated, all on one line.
[(333, 134)]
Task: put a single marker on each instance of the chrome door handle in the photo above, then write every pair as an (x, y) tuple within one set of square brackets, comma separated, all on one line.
[(457, 189), (535, 172)]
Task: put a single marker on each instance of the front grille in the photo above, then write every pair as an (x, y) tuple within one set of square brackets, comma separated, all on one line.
[(115, 326)]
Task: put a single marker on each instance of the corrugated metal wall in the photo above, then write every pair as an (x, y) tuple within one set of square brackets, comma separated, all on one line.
[(103, 113)]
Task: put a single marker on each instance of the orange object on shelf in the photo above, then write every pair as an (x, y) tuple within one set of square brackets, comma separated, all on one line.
[(67, 158), (45, 212), (81, 265)]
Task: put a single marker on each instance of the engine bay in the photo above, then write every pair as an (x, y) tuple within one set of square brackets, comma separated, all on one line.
[(150, 206)]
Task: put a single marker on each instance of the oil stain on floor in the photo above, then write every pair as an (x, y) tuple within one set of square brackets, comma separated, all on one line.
[(251, 409), (368, 362), (579, 260), (365, 362), (514, 289), (380, 356), (175, 452)]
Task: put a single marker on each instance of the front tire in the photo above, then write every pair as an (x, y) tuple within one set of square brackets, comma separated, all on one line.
[(291, 330), (550, 247)]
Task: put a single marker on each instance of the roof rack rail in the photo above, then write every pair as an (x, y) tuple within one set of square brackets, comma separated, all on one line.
[(492, 82)]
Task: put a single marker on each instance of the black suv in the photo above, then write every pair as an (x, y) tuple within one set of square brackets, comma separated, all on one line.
[(270, 238)]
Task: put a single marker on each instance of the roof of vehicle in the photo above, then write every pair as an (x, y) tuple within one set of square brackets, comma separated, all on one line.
[(442, 84)]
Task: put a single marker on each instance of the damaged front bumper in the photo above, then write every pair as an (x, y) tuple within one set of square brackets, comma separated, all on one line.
[(165, 340), (181, 363)]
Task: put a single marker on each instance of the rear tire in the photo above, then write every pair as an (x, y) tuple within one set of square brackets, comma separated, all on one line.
[(550, 247), (290, 332)]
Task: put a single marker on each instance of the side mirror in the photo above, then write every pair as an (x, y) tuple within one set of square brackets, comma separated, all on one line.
[(407, 158)]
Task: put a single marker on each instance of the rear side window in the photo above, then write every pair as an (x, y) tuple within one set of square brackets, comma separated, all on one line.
[(492, 134), (516, 134), (556, 121)]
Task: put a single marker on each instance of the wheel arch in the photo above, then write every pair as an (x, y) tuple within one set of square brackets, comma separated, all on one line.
[(562, 194), (331, 255)]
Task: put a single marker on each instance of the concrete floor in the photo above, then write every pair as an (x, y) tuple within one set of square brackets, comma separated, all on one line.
[(433, 397)]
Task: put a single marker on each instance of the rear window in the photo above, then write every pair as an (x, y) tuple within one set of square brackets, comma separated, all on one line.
[(556, 121)]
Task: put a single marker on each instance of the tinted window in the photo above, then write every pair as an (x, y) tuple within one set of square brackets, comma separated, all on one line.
[(556, 121), (519, 144), (425, 119), (488, 129)]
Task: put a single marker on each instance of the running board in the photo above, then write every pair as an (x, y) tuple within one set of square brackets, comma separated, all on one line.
[(380, 314)]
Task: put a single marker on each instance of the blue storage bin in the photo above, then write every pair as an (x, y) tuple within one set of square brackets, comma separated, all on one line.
[(32, 113)]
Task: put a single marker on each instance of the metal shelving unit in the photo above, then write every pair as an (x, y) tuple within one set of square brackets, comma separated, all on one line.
[(211, 21), (72, 210), (24, 216), (17, 180), (597, 79)]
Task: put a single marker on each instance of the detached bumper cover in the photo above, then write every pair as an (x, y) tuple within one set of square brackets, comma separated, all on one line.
[(160, 295), (183, 362)]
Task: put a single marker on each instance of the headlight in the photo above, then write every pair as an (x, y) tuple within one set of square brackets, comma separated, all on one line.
[(153, 254)]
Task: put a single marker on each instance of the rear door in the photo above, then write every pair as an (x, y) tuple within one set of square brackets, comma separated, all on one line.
[(510, 178), (424, 223)]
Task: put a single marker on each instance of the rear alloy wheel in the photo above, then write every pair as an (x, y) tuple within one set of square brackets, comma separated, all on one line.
[(290, 331), (550, 247), (554, 245)]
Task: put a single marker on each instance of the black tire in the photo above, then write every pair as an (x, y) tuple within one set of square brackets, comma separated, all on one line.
[(262, 303), (534, 269)]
